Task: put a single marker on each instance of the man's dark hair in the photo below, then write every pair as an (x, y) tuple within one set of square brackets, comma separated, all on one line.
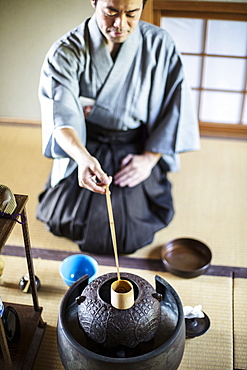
[(144, 2)]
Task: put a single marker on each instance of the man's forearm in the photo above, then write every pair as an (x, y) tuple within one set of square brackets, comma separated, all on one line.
[(69, 141)]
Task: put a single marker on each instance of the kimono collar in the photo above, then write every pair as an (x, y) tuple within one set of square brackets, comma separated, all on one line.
[(100, 54)]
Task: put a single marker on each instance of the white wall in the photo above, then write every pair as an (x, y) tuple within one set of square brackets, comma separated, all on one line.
[(27, 30)]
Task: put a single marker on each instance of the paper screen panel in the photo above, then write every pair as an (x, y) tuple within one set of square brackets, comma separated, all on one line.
[(224, 73), (187, 33), (227, 38), (220, 107)]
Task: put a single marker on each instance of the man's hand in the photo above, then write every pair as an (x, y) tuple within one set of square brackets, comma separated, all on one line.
[(90, 174), (136, 168)]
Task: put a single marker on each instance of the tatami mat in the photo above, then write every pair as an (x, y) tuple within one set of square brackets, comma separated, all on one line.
[(211, 205), (213, 350), (209, 194), (240, 324)]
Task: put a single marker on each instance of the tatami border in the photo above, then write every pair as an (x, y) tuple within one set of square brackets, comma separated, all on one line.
[(131, 262)]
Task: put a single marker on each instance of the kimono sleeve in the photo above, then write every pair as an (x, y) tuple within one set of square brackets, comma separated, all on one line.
[(59, 95), (173, 127)]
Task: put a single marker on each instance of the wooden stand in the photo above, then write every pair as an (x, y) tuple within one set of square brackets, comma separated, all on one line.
[(21, 354)]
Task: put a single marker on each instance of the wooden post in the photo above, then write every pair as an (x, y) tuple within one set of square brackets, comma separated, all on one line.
[(147, 13)]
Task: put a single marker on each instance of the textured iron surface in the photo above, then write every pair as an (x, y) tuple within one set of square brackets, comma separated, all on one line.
[(110, 326)]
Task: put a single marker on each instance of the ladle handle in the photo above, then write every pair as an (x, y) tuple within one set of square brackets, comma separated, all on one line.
[(112, 227)]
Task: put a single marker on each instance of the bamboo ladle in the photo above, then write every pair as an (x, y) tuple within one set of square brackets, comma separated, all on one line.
[(122, 292)]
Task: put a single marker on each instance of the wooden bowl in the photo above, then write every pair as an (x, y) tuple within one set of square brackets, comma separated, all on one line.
[(186, 257)]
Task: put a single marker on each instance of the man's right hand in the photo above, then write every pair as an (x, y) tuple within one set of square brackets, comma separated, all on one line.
[(90, 174)]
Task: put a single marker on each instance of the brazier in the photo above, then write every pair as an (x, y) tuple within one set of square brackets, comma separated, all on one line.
[(163, 351)]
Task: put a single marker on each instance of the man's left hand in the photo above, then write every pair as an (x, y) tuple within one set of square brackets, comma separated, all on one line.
[(136, 168)]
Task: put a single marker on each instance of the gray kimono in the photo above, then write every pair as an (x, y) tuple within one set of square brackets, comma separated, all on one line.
[(145, 85)]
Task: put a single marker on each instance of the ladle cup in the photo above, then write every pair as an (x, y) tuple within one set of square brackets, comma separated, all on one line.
[(122, 294)]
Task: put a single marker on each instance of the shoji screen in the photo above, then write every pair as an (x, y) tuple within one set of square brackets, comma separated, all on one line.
[(212, 38), (215, 56)]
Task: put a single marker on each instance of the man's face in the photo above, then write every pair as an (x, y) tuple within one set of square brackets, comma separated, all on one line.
[(117, 18)]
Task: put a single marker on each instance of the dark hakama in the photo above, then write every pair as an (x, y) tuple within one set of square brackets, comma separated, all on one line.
[(81, 215)]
